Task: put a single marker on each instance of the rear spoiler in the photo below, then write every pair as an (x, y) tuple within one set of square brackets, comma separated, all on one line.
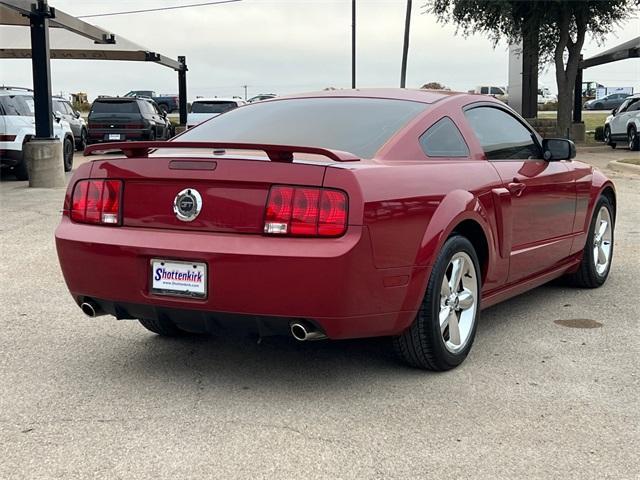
[(276, 153)]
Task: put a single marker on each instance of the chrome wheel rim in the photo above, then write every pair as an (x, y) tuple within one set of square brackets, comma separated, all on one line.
[(607, 135), (458, 302), (632, 139), (602, 235)]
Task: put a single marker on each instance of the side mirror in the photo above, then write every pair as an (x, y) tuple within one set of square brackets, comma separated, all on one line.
[(57, 116), (614, 111), (76, 114), (558, 149)]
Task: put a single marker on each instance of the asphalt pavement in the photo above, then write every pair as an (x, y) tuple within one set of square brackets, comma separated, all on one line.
[(100, 398)]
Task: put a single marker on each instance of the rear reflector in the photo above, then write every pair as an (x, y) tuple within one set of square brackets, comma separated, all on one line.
[(7, 138), (306, 212), (96, 201)]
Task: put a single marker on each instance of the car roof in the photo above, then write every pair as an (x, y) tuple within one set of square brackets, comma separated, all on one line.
[(217, 99), (15, 91), (120, 99), (414, 95)]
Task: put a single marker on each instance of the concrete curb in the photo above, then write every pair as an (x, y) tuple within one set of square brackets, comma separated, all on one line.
[(624, 167)]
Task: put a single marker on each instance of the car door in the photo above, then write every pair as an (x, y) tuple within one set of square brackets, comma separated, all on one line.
[(542, 193)]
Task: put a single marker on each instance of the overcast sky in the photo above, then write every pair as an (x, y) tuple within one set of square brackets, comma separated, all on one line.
[(287, 46)]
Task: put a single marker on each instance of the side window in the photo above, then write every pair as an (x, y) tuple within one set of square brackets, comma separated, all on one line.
[(484, 90), (634, 106), (58, 106), (67, 108), (501, 135), (443, 139), (496, 91), (623, 107)]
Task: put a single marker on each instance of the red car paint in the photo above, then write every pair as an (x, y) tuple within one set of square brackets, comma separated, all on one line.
[(529, 218)]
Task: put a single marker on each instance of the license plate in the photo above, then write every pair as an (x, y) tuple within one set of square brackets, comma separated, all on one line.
[(184, 279), (114, 136)]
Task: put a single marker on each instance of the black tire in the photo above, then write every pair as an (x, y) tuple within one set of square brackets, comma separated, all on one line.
[(67, 154), (152, 134), (161, 327), (587, 276), (634, 139), (422, 345), (21, 171), (607, 137), (82, 141)]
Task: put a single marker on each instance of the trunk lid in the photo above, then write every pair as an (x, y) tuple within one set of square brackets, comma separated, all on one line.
[(233, 190)]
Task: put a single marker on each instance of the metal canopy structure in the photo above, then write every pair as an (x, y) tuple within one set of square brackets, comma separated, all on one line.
[(58, 35), (630, 49)]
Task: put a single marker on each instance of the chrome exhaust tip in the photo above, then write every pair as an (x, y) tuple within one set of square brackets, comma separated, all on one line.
[(91, 309), (304, 333)]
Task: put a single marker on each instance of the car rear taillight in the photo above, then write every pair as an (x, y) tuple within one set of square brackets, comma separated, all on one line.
[(96, 201), (305, 212), (7, 138), (98, 125), (134, 126)]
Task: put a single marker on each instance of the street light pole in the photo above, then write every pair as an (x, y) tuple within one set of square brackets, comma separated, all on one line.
[(353, 44), (405, 48)]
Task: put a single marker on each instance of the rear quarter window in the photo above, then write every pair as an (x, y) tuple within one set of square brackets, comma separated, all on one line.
[(443, 139)]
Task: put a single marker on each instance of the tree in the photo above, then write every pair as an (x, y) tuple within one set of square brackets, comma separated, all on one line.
[(434, 86), (558, 26)]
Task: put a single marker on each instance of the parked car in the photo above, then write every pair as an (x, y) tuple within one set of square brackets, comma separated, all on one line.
[(496, 92), (17, 127), (205, 108), (623, 124), (261, 97), (344, 214), (608, 102), (167, 103), (127, 118), (64, 109), (545, 96)]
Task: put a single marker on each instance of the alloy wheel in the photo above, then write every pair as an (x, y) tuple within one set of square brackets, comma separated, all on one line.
[(458, 302), (602, 235)]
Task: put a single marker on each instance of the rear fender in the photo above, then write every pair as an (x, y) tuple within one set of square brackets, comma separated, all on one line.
[(455, 208)]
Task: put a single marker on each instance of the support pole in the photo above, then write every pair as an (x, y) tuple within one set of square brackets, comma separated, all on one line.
[(577, 97), (182, 90), (353, 44), (405, 47), (40, 56)]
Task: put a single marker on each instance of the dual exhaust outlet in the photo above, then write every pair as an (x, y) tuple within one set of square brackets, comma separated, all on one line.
[(91, 309), (301, 331), (305, 332)]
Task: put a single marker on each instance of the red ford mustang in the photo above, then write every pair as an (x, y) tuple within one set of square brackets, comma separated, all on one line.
[(336, 215)]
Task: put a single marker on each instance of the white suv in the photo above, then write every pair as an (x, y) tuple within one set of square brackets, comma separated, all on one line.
[(17, 127), (623, 125), (203, 109)]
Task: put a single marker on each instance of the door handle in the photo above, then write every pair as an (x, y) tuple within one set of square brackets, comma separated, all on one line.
[(516, 188)]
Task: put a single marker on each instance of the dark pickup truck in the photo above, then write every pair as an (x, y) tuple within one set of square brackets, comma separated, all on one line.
[(166, 103)]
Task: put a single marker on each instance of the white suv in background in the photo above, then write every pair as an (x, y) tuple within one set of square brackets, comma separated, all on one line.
[(203, 109), (17, 127), (623, 125)]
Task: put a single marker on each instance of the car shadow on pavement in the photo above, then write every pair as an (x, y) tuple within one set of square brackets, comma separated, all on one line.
[(276, 362)]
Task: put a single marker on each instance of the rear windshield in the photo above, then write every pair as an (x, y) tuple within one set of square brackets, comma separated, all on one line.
[(356, 125), (115, 107), (21, 105), (212, 107)]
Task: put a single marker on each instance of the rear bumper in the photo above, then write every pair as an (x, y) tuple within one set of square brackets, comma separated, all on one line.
[(331, 282)]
